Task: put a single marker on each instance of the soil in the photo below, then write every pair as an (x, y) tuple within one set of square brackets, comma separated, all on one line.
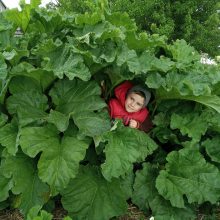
[(59, 214)]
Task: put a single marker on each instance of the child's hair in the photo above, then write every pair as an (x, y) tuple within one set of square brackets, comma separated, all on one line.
[(140, 90)]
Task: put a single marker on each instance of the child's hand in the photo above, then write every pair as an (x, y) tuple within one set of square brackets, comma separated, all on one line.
[(133, 123)]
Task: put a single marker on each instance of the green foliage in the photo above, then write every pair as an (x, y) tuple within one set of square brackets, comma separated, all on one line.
[(124, 147), (68, 95), (6, 185), (148, 14), (35, 213), (56, 137), (56, 166), (195, 21), (8, 137), (23, 180), (211, 147), (187, 173), (89, 191), (146, 196)]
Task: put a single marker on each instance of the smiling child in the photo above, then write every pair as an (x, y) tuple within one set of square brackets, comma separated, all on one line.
[(130, 104)]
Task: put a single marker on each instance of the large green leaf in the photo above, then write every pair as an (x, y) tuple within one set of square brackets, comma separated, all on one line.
[(212, 148), (191, 124), (100, 32), (188, 174), (15, 55), (20, 18), (162, 210), (183, 53), (104, 53), (27, 102), (212, 101), (60, 120), (5, 185), (5, 25), (26, 183), (60, 158), (61, 59), (82, 101), (77, 96), (5, 38), (90, 196), (146, 196), (195, 82), (9, 137), (23, 17), (39, 76), (3, 68), (212, 118), (124, 147), (3, 89), (46, 21), (121, 20), (127, 184), (139, 65), (125, 55), (35, 139), (92, 124), (144, 186), (19, 84), (36, 214), (3, 119), (96, 56), (29, 106), (143, 41)]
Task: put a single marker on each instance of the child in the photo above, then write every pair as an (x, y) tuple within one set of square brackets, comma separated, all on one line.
[(130, 105)]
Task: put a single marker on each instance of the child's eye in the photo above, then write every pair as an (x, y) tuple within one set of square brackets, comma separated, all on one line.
[(132, 99)]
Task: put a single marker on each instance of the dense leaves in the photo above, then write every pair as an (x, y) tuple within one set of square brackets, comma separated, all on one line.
[(80, 101), (89, 191), (195, 21), (9, 137), (56, 136), (187, 173), (32, 191), (211, 147), (6, 185), (56, 165), (124, 147), (146, 195)]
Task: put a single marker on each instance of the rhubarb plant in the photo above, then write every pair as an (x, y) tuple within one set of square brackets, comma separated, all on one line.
[(56, 136)]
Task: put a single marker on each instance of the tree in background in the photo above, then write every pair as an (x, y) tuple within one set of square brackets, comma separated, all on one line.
[(152, 16), (78, 6), (196, 21)]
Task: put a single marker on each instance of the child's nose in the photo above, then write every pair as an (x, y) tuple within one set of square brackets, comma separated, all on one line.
[(132, 104)]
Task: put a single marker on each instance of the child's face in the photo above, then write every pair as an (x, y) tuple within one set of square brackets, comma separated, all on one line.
[(134, 102)]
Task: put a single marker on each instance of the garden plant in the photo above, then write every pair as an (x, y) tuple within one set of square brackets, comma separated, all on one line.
[(56, 138)]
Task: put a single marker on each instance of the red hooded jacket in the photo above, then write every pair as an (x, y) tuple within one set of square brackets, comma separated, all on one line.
[(117, 106)]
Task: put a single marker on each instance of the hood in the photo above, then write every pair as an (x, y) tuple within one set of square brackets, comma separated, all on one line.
[(121, 91)]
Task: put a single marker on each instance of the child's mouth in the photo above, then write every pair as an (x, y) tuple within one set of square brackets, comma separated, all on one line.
[(130, 108)]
